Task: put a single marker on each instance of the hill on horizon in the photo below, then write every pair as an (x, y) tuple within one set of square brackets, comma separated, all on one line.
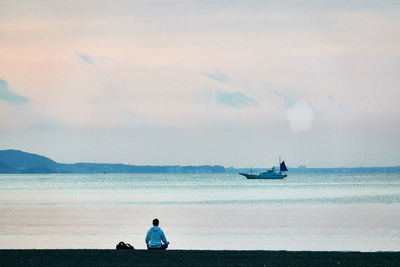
[(17, 161), (12, 160)]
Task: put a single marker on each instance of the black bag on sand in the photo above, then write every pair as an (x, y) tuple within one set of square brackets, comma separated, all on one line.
[(122, 245)]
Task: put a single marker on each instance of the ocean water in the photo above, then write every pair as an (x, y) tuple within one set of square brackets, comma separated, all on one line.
[(202, 211)]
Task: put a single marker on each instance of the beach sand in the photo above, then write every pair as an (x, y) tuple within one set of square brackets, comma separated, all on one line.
[(96, 257)]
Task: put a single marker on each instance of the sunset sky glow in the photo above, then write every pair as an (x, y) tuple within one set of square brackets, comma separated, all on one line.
[(235, 83)]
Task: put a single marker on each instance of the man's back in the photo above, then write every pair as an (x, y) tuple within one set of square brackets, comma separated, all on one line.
[(155, 237)]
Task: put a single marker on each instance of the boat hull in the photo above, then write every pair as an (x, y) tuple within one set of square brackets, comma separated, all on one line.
[(264, 176)]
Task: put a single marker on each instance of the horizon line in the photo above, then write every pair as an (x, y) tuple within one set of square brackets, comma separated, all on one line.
[(301, 166)]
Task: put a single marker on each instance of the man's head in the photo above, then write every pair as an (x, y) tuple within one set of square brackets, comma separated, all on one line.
[(156, 222)]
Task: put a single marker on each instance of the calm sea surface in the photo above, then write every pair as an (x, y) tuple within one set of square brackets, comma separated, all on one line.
[(202, 211)]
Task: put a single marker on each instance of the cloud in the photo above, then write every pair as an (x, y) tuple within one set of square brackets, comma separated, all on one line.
[(86, 58), (234, 100), (218, 76), (8, 95), (288, 100), (336, 104), (300, 116)]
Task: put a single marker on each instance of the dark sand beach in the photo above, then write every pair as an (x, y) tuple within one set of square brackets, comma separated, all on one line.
[(96, 257)]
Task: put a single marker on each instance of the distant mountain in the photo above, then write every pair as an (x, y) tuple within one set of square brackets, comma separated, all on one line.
[(4, 168), (124, 168), (16, 161)]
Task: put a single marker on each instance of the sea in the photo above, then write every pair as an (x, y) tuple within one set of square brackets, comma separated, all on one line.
[(309, 211)]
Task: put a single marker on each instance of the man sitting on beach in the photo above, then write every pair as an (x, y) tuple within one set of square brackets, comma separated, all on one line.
[(155, 238)]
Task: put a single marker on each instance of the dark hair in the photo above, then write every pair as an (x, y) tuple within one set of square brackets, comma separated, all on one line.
[(156, 222)]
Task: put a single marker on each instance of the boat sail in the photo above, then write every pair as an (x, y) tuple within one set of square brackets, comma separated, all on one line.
[(283, 167), (269, 174)]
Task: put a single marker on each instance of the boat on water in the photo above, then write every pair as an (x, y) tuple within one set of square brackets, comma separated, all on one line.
[(269, 174)]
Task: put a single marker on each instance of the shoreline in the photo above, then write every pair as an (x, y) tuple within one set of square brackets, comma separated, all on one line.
[(113, 257)]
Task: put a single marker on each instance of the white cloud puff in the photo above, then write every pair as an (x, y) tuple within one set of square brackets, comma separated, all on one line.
[(300, 116)]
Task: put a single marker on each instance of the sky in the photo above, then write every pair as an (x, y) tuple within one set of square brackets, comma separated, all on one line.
[(233, 83)]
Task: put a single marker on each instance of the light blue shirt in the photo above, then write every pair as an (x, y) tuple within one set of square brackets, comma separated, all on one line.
[(154, 237)]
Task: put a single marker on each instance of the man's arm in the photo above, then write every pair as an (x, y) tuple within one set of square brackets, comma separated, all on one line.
[(163, 239), (147, 237)]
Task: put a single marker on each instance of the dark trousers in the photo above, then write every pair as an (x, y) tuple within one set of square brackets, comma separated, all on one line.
[(163, 246)]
